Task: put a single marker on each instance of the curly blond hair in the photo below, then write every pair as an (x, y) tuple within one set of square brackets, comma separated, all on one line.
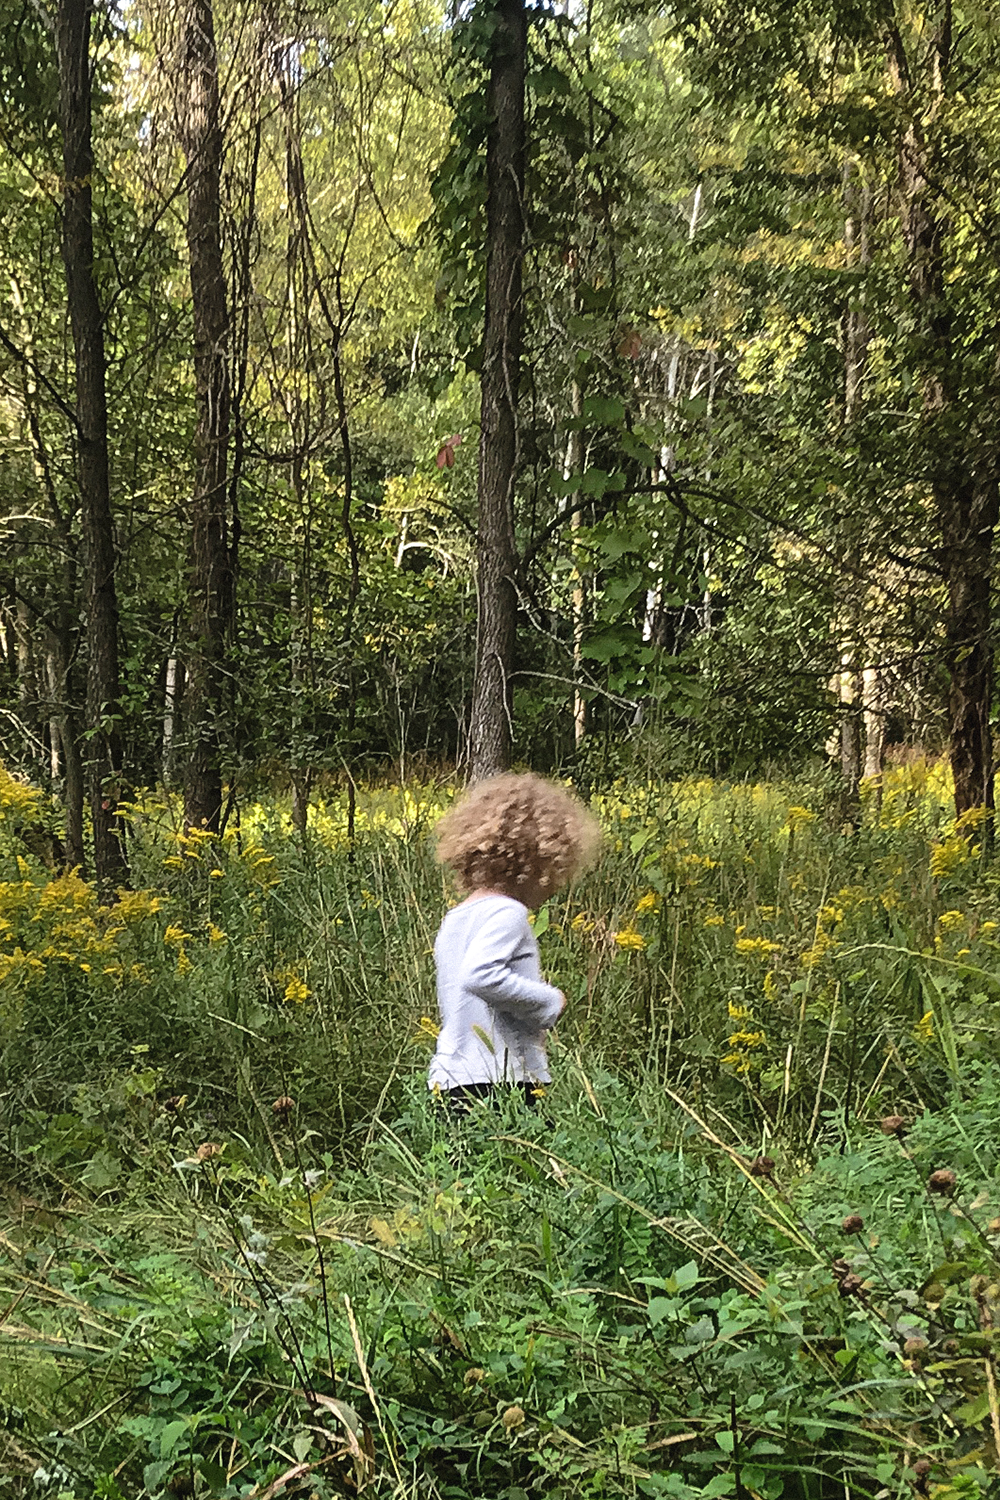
[(519, 834)]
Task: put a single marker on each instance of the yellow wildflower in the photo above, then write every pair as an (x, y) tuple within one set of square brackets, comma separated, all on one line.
[(948, 857), (629, 940), (296, 990), (714, 920), (649, 902), (770, 988), (215, 934), (175, 937), (949, 921), (973, 817), (16, 796), (427, 1030), (759, 947), (216, 874), (747, 1039), (822, 944), (988, 927), (136, 906), (924, 1029), (799, 817)]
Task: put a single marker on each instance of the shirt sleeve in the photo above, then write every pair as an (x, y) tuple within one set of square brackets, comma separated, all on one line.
[(503, 936)]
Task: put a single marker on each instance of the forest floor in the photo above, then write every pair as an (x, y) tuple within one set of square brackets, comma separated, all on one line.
[(749, 1246)]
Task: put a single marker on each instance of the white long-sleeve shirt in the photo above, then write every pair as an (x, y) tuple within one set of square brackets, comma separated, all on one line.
[(494, 1005)]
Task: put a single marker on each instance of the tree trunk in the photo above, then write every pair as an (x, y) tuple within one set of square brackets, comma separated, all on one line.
[(490, 733), (210, 578), (574, 465), (962, 443), (101, 600), (58, 665), (871, 694), (967, 516), (850, 623)]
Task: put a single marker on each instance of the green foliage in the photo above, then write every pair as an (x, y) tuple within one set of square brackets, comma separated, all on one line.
[(241, 1239)]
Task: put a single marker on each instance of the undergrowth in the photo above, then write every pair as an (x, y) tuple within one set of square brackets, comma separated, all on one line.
[(749, 1245)]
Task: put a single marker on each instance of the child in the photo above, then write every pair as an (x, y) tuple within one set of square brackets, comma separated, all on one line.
[(510, 842)]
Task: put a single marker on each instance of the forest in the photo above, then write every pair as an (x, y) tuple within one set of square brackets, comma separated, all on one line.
[(393, 394)]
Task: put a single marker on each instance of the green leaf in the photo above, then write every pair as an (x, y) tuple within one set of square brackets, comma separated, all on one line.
[(604, 411), (171, 1435), (973, 1412), (686, 1276)]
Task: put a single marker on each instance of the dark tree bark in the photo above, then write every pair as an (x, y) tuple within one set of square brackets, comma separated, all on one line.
[(101, 600), (961, 432), (210, 574), (490, 729)]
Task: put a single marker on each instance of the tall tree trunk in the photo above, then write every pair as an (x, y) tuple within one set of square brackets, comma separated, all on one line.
[(210, 576), (101, 600), (574, 465), (59, 671), (871, 693), (967, 517), (850, 623), (963, 444), (490, 732)]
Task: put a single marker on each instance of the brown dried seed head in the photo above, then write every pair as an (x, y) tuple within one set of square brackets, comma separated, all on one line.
[(942, 1182), (893, 1125), (993, 1227), (207, 1150), (853, 1224), (762, 1166), (175, 1103), (283, 1106), (474, 1376), (850, 1285), (513, 1418), (915, 1347), (921, 1467)]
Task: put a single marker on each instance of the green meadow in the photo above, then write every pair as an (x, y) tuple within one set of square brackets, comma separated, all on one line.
[(749, 1245)]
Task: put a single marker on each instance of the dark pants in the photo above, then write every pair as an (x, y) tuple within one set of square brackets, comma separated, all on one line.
[(461, 1100)]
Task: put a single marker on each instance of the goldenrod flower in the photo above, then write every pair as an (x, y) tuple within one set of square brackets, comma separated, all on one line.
[(629, 940), (949, 921), (760, 947), (427, 1031), (296, 990), (649, 902), (948, 857)]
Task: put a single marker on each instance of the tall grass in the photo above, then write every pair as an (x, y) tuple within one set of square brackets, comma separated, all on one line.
[(244, 1253)]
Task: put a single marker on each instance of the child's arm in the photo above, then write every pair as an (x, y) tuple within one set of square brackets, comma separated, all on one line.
[(489, 975)]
